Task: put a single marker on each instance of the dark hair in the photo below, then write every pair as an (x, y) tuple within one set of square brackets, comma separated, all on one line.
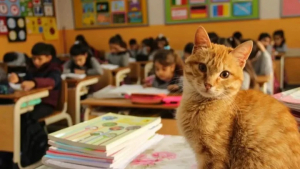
[(117, 39), (81, 40), (249, 69), (80, 49), (9, 57), (281, 34), (41, 49), (238, 35), (168, 58), (263, 36), (150, 42), (224, 41), (132, 42), (213, 37), (255, 48), (162, 38), (233, 42), (189, 48)]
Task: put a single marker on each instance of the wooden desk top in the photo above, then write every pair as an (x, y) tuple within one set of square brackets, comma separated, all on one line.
[(76, 81), (119, 69), (19, 94), (124, 103), (262, 79)]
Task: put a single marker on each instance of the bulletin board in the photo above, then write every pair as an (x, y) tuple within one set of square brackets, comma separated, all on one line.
[(290, 8), (109, 13), (18, 18), (192, 11)]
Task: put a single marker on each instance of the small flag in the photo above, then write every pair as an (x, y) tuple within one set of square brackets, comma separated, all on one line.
[(179, 2), (220, 10), (199, 11)]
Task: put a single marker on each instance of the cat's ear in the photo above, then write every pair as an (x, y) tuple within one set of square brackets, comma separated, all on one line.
[(242, 52), (201, 39)]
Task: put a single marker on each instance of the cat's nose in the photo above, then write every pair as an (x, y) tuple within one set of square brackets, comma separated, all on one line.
[(207, 86)]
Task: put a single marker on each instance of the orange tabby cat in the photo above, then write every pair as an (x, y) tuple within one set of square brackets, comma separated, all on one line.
[(227, 127)]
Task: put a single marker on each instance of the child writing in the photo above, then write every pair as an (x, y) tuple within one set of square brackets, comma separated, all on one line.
[(149, 48), (119, 55), (134, 47), (41, 73), (82, 62), (262, 62), (168, 67)]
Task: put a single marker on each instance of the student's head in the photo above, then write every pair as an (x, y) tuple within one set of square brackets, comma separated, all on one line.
[(238, 35), (41, 54), (224, 41), (265, 39), (81, 39), (133, 44), (79, 54), (115, 43), (149, 45), (188, 49), (279, 38), (166, 64), (213, 37), (162, 41), (10, 57)]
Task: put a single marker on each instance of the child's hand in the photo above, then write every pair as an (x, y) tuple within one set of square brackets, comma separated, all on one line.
[(78, 71), (147, 85), (28, 85), (120, 49), (173, 88), (13, 78)]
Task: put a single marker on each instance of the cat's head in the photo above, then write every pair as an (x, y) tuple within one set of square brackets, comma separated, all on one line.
[(215, 71)]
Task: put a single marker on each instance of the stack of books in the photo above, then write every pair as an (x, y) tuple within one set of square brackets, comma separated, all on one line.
[(108, 141), (291, 99)]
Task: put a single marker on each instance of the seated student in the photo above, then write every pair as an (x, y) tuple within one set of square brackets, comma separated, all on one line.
[(134, 48), (279, 41), (119, 55), (41, 73), (262, 62), (213, 37), (238, 36), (15, 59), (265, 39), (168, 68), (149, 48), (249, 81), (82, 62), (162, 42), (188, 49)]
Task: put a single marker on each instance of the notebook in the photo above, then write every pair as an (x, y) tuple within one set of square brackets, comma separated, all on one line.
[(73, 76), (69, 163), (109, 66), (290, 98), (105, 132)]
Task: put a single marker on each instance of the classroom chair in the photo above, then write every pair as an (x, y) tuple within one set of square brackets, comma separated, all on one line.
[(148, 68), (121, 75), (61, 112)]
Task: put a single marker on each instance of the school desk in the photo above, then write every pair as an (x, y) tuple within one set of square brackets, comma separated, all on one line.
[(169, 125), (116, 76), (10, 120), (76, 89), (137, 71), (262, 82)]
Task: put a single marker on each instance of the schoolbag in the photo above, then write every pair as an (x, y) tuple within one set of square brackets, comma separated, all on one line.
[(33, 140)]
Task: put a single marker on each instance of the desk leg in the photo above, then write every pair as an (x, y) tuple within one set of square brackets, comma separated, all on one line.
[(72, 104), (281, 72), (87, 113)]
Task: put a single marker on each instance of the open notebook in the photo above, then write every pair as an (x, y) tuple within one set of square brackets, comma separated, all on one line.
[(109, 66), (73, 76), (290, 98), (120, 92)]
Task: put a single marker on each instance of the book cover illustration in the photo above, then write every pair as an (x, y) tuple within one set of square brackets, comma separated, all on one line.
[(101, 131)]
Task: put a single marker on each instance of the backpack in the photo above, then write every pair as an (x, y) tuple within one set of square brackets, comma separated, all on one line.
[(33, 140)]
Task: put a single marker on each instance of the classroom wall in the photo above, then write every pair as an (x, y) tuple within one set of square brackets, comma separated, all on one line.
[(179, 35), (5, 46)]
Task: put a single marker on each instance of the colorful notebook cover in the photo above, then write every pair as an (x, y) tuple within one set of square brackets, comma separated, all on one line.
[(105, 132)]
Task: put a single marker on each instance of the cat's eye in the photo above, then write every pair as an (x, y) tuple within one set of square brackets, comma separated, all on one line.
[(202, 67), (225, 74)]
